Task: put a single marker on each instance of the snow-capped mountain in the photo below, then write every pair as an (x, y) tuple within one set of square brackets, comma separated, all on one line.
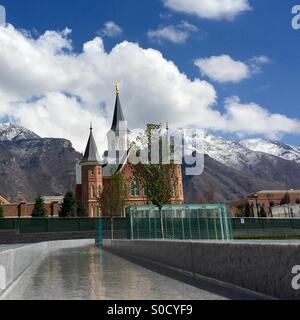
[(274, 148), (229, 153), (14, 132)]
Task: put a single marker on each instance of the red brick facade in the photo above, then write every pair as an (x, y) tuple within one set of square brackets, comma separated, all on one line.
[(24, 210), (93, 183)]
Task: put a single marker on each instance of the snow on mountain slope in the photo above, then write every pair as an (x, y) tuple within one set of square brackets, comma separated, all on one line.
[(228, 152), (274, 148), (237, 155), (14, 132)]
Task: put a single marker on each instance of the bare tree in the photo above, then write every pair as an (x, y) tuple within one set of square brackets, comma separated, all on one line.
[(113, 197)]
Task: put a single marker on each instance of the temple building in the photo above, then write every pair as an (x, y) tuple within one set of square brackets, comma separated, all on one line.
[(92, 173)]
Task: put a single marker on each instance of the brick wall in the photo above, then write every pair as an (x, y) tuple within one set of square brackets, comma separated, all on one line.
[(24, 209)]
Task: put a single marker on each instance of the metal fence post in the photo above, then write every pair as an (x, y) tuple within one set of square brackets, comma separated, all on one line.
[(100, 231), (182, 224), (190, 224), (222, 227), (131, 225)]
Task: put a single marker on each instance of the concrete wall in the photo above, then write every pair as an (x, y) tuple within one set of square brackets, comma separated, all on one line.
[(7, 237), (14, 260), (13, 236), (262, 267)]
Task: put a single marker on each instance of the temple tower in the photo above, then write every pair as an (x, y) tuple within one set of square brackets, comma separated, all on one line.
[(118, 135), (91, 175)]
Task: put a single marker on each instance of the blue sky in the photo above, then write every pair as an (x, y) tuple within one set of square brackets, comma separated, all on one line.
[(265, 30)]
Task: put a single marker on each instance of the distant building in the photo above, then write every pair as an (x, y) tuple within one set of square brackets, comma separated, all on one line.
[(92, 175), (267, 199), (24, 209), (273, 197)]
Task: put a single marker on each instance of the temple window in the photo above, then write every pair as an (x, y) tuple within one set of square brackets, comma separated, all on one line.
[(135, 189)]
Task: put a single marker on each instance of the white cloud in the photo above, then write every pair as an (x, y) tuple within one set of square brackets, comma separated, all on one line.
[(252, 119), (110, 29), (257, 62), (225, 69), (210, 9), (176, 34), (56, 92), (169, 33)]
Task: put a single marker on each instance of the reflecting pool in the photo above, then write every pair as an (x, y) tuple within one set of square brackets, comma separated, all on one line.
[(89, 273)]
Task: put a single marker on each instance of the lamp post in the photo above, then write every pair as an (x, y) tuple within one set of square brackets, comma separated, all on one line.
[(256, 202), (252, 209), (270, 205)]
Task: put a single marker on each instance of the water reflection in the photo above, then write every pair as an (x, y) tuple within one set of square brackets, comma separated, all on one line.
[(90, 274)]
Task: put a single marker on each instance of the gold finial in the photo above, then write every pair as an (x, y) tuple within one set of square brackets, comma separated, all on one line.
[(118, 87)]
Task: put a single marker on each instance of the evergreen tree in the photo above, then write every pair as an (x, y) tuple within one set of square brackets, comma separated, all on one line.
[(81, 210), (68, 208), (248, 210), (1, 212), (39, 210), (262, 212), (285, 200)]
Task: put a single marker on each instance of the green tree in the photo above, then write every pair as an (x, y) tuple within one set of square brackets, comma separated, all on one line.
[(1, 212), (68, 208), (157, 178), (81, 209), (39, 210)]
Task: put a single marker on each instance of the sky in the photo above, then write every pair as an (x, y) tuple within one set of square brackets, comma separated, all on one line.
[(228, 66)]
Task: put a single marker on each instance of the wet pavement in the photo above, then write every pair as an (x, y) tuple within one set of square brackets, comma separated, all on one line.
[(6, 247), (89, 273)]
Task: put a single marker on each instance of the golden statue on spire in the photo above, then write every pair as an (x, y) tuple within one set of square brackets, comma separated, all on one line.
[(118, 87)]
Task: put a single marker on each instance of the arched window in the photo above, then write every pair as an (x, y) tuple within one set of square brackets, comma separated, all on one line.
[(135, 189)]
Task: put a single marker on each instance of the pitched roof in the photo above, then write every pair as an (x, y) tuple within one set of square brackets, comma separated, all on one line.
[(91, 151), (3, 200), (118, 115)]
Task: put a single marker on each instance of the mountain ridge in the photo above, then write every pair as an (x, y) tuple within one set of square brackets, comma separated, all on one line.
[(31, 165)]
